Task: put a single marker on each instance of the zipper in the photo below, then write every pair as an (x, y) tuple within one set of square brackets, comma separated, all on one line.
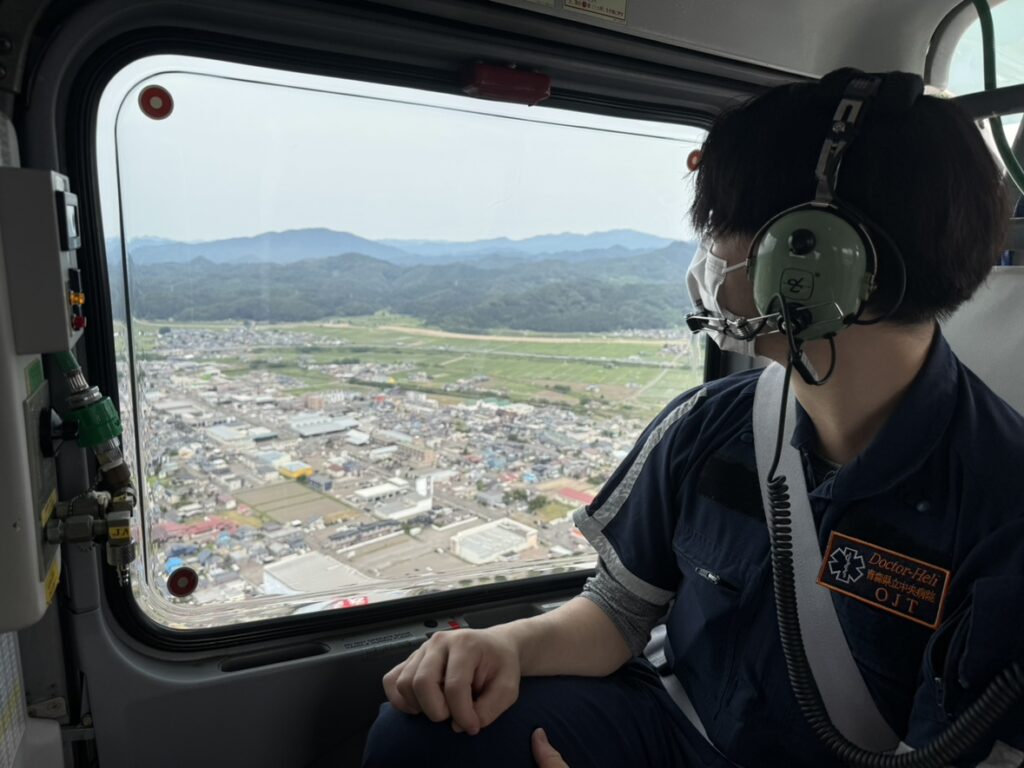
[(715, 579), (940, 699)]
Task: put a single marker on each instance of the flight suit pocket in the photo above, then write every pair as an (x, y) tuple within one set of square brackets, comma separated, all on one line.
[(939, 669), (706, 621)]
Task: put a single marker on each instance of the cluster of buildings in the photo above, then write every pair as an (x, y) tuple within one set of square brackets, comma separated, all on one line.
[(266, 488)]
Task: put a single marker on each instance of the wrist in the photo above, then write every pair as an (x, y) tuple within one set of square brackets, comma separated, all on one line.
[(518, 635)]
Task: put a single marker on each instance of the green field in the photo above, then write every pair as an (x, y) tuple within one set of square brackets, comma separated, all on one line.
[(597, 346), (553, 511), (612, 376)]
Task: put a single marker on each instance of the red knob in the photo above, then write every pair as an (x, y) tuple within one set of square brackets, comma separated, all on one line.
[(182, 582), (156, 102), (78, 322)]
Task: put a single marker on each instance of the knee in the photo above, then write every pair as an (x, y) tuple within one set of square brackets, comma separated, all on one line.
[(392, 739), (398, 740)]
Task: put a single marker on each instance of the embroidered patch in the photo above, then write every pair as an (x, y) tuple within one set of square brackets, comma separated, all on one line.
[(905, 586)]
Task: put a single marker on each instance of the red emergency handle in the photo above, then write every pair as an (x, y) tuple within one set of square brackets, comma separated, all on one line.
[(498, 83)]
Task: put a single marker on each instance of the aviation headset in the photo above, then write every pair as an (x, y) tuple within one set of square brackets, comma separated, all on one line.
[(815, 265)]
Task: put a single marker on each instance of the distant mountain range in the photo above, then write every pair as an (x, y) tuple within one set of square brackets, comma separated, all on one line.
[(300, 244), (624, 239), (601, 282), (272, 247)]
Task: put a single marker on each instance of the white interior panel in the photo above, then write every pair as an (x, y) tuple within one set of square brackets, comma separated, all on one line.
[(987, 334), (802, 36)]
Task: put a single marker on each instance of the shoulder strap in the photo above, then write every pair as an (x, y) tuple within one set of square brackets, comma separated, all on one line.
[(843, 690)]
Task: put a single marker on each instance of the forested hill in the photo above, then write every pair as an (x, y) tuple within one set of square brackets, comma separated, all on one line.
[(606, 289)]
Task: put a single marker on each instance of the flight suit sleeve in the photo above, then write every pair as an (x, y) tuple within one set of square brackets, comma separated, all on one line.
[(965, 654), (634, 618), (632, 521)]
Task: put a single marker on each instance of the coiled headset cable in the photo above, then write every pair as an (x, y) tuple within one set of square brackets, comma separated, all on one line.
[(969, 728)]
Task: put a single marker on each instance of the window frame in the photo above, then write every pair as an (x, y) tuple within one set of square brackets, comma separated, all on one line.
[(945, 40), (713, 81)]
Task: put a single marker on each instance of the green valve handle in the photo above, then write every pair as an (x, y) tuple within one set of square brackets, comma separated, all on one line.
[(97, 423), (67, 362)]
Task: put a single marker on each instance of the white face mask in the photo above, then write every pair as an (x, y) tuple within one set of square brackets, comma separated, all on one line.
[(703, 280)]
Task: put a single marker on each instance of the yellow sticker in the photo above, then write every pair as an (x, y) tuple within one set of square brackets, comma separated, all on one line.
[(9, 712), (119, 532), (48, 507), (52, 579)]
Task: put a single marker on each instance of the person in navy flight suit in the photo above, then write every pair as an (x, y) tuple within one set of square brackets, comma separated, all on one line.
[(911, 463)]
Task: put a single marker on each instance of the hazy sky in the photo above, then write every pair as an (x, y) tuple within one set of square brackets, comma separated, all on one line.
[(238, 158), (250, 150)]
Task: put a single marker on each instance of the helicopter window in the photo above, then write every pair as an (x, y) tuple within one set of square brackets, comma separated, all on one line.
[(967, 66), (375, 342)]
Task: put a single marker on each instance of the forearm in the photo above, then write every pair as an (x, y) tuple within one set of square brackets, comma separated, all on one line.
[(576, 638)]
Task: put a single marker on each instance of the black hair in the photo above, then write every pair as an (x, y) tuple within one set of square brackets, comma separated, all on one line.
[(922, 173)]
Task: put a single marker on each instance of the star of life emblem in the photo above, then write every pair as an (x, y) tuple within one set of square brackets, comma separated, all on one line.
[(846, 565)]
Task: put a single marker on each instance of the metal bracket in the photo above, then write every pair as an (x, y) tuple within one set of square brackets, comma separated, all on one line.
[(49, 709), (1000, 101)]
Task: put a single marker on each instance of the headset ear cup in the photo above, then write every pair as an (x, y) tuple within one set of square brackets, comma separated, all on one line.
[(819, 260), (755, 266), (766, 250)]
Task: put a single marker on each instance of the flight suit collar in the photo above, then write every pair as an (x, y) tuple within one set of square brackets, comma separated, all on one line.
[(906, 439)]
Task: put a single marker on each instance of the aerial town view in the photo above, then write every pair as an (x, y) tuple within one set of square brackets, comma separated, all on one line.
[(392, 356), (359, 459)]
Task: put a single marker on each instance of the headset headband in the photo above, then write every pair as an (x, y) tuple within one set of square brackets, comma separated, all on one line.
[(846, 123)]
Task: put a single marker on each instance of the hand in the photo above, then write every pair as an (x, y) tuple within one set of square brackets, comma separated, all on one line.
[(468, 675), (546, 755)]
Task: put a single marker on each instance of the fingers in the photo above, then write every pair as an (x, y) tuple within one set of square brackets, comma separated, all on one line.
[(498, 694), (398, 685), (458, 681), (442, 677), (428, 682), (545, 755)]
